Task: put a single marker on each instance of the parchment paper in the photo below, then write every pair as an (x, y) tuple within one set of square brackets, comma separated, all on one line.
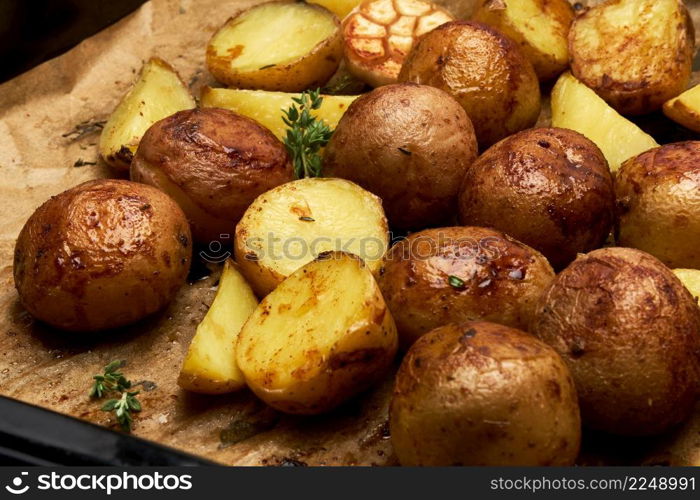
[(50, 120)]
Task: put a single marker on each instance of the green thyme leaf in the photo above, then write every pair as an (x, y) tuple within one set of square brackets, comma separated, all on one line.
[(456, 282), (306, 135)]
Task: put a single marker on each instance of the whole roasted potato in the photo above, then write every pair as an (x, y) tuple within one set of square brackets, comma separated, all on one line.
[(658, 203), (214, 163), (456, 274), (484, 70), (630, 333), (103, 254), (408, 144), (484, 394), (549, 188), (636, 54), (287, 46)]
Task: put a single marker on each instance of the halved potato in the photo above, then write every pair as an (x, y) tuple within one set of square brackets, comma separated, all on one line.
[(577, 107), (158, 92), (340, 8), (690, 279), (379, 34), (266, 107), (292, 224), (539, 27), (210, 366), (322, 336), (289, 46), (685, 109), (636, 54)]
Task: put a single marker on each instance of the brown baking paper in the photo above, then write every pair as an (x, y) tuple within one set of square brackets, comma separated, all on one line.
[(50, 119)]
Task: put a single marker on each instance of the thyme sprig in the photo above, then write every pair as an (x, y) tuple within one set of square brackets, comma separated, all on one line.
[(306, 134)]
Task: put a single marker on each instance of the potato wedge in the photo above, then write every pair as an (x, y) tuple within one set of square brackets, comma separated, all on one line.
[(635, 54), (379, 34), (292, 224), (539, 27), (340, 8), (288, 46), (685, 109), (266, 107), (577, 107), (321, 337), (210, 366), (690, 279), (157, 93)]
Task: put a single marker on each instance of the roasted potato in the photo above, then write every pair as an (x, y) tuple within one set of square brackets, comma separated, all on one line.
[(691, 280), (635, 54), (658, 203), (266, 107), (101, 255), (484, 394), (379, 34), (292, 224), (685, 109), (210, 366), (408, 144), (539, 27), (340, 8), (550, 188), (455, 274), (630, 333), (158, 92), (287, 46), (321, 337), (485, 71), (576, 107), (214, 163)]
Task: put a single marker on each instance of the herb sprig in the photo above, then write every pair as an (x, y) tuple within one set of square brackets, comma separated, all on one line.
[(306, 135), (112, 381)]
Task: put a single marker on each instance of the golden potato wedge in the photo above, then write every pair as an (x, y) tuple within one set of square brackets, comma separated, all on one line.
[(340, 8), (266, 107), (321, 337), (577, 107), (379, 34), (691, 280), (288, 46), (292, 224), (685, 109), (635, 54), (157, 93), (539, 27), (210, 366)]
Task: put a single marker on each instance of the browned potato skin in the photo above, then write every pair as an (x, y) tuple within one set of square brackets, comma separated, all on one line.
[(503, 279), (630, 333), (103, 254), (484, 394), (214, 163), (549, 188), (411, 132), (635, 97), (658, 203), (484, 70)]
